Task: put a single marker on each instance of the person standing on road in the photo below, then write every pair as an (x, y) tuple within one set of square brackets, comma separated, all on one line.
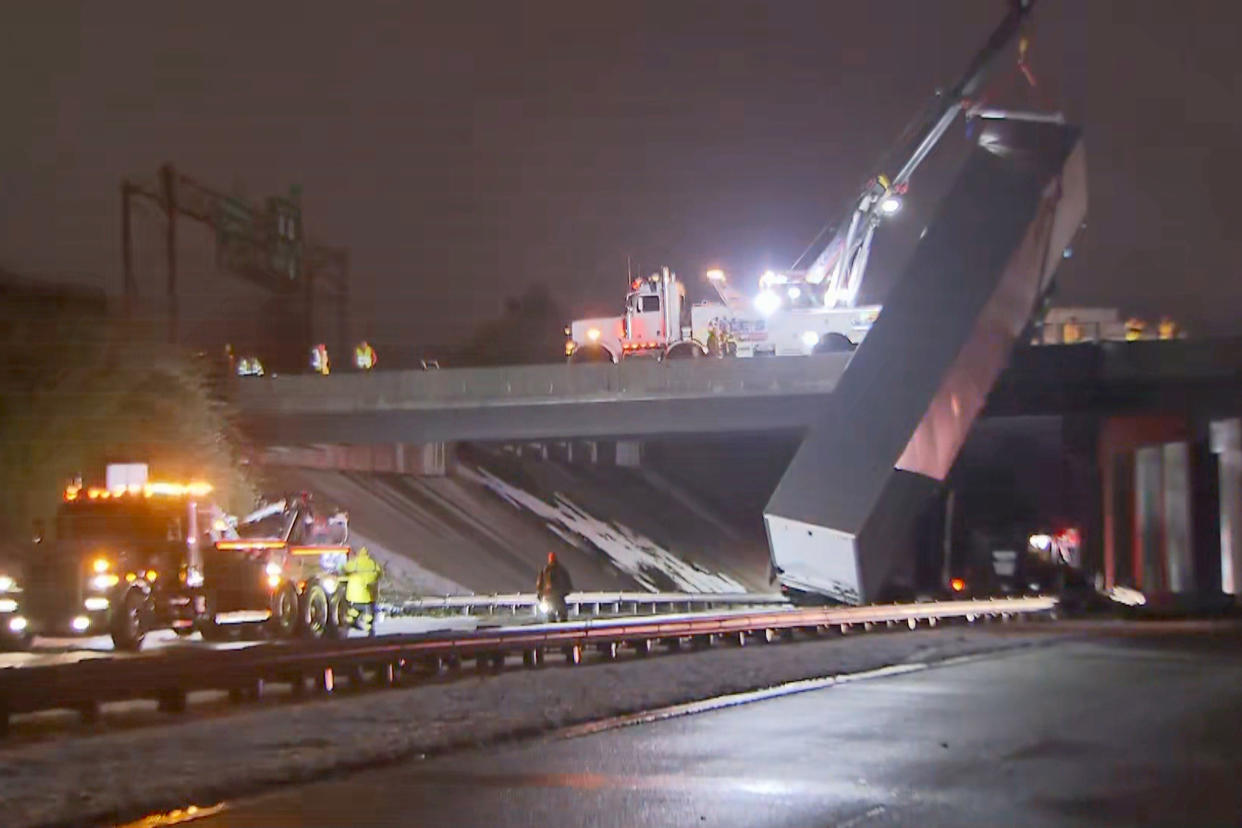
[(553, 586), (362, 574)]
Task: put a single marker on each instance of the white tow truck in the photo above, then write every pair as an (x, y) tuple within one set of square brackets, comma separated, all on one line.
[(657, 323)]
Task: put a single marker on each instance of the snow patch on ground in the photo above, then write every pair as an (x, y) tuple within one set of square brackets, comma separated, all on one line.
[(632, 553)]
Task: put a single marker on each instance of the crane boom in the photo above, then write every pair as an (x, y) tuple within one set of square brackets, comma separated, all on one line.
[(843, 261)]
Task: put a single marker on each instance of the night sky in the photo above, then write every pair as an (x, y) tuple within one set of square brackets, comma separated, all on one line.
[(466, 150)]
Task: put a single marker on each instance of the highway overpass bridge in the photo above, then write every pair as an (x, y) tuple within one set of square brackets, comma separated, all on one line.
[(882, 427), (637, 398)]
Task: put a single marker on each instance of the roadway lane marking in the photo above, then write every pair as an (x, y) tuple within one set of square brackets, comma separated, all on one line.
[(734, 699)]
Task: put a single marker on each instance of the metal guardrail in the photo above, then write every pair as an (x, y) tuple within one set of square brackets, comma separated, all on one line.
[(169, 677), (588, 603)]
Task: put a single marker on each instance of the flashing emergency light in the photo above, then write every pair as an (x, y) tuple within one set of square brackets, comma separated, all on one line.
[(157, 489)]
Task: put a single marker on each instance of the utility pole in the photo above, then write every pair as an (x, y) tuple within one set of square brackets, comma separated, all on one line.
[(169, 181)]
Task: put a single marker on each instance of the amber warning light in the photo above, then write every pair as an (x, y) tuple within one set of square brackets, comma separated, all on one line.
[(154, 489)]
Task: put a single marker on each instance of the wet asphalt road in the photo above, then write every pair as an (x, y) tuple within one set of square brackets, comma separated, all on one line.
[(1138, 731)]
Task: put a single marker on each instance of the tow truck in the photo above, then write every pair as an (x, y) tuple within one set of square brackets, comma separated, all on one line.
[(280, 576), (657, 323), (125, 560), (812, 308)]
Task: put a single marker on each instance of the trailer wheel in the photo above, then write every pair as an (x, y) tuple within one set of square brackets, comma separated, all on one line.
[(284, 620), (338, 616), (313, 612), (127, 622)]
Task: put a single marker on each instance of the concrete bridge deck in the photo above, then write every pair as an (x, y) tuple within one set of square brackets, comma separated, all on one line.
[(638, 398)]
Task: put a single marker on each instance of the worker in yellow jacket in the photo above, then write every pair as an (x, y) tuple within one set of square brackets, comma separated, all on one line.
[(362, 575)]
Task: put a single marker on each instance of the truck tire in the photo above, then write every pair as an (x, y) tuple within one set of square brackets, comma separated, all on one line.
[(592, 353), (686, 349), (338, 616), (127, 627), (834, 343), (284, 606), (314, 610)]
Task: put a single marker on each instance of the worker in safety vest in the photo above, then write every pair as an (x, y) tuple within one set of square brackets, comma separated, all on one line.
[(1167, 329), (362, 574), (1134, 329), (364, 356), (319, 360)]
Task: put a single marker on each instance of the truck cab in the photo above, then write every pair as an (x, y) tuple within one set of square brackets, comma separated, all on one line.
[(281, 575), (124, 561), (655, 324)]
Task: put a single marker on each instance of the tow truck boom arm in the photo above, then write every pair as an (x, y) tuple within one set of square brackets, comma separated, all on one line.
[(843, 261)]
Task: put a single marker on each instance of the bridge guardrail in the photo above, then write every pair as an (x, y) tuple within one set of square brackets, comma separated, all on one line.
[(170, 677)]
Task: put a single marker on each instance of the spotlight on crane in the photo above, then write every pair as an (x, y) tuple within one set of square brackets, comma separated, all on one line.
[(767, 302), (890, 205)]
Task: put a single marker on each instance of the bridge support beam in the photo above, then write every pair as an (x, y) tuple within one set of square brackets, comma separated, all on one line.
[(841, 518), (1226, 442), (419, 459)]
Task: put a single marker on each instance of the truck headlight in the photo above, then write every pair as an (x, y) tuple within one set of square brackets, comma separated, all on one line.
[(105, 581), (7, 583), (100, 565), (8, 605), (193, 577), (17, 624), (273, 568), (95, 603), (80, 624)]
